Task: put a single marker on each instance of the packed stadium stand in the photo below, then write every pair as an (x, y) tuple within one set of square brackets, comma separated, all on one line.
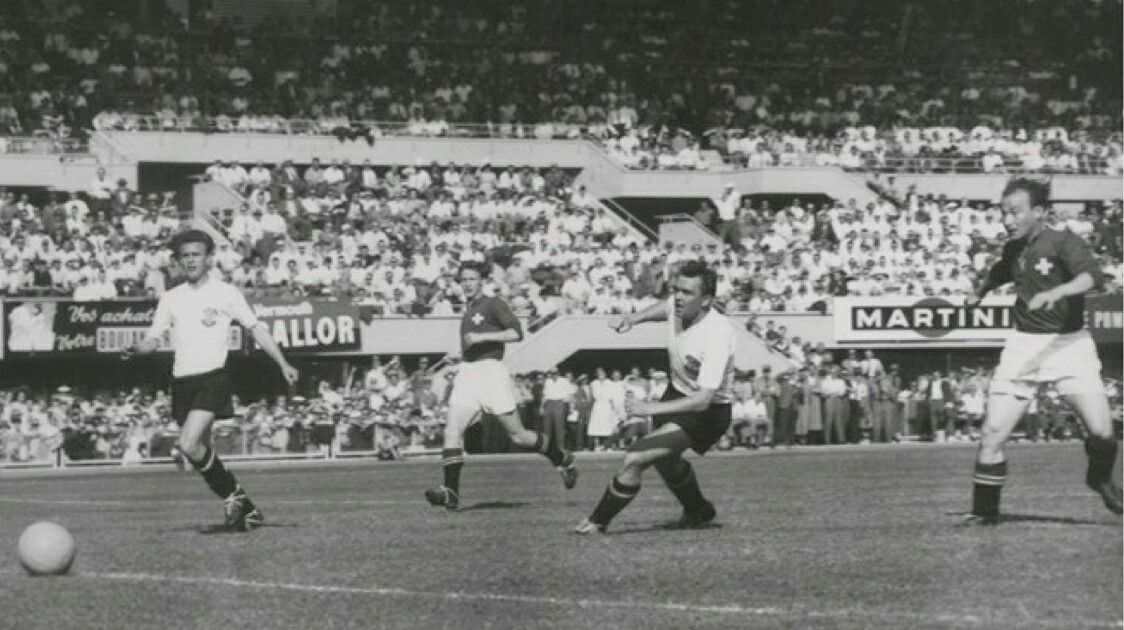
[(809, 151)]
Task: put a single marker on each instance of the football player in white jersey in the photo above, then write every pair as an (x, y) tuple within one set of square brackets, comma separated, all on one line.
[(693, 413), (199, 313)]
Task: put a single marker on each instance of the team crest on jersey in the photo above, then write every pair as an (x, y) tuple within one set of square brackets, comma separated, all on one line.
[(210, 316), (691, 366)]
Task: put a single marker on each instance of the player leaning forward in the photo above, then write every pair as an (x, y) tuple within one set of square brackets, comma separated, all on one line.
[(694, 412), (199, 313), (484, 386), (1051, 270)]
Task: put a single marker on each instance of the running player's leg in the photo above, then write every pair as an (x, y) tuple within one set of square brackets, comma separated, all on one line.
[(496, 394), (1005, 406), (195, 444), (452, 457), (542, 443), (668, 441), (465, 408), (1100, 445), (679, 476)]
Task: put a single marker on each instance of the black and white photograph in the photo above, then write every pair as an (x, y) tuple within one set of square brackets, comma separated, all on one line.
[(585, 314)]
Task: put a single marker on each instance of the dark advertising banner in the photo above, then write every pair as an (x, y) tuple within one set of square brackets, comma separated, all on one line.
[(310, 325), (1104, 315), (68, 327)]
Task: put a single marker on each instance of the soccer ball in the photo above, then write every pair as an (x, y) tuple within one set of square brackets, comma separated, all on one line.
[(46, 548)]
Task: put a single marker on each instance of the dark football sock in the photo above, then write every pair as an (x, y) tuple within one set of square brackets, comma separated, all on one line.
[(218, 478), (549, 449), (617, 496), (988, 482), (1102, 457), (683, 484), (452, 460)]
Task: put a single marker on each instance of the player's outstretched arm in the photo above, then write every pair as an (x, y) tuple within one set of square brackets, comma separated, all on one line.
[(261, 335), (508, 335), (654, 313), (997, 276), (1083, 283)]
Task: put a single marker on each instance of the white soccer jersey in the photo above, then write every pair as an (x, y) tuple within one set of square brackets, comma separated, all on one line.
[(702, 356), (200, 321)]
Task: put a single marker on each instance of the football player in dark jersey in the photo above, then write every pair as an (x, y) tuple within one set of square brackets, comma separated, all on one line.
[(484, 386), (1051, 270)]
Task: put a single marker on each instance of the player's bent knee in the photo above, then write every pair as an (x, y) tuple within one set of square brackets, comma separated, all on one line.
[(195, 451), (1007, 387), (523, 439), (636, 459)]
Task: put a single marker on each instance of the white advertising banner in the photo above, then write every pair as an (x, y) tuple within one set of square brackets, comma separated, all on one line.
[(927, 321)]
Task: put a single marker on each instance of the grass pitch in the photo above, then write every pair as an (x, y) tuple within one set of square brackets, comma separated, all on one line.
[(852, 537)]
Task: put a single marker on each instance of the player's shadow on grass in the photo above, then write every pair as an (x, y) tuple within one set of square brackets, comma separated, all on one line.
[(220, 529), (1045, 518), (660, 527), (495, 505), (1057, 520)]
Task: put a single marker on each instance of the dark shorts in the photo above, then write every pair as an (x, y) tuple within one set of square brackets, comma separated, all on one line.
[(704, 428), (209, 391)]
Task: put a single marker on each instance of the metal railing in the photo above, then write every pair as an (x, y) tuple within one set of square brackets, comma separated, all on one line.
[(374, 129), (1086, 166), (41, 145), (345, 129), (680, 217)]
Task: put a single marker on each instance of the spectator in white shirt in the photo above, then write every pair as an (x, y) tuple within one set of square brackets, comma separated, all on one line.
[(728, 205)]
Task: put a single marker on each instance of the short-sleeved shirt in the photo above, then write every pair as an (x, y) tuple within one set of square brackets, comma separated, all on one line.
[(1047, 260), (199, 318), (486, 315), (702, 356)]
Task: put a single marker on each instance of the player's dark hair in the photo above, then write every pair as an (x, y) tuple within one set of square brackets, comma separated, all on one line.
[(1037, 191), (699, 269), (193, 236), (478, 267)]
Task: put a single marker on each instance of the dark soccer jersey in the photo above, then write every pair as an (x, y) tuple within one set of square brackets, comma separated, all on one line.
[(487, 315), (1049, 259)]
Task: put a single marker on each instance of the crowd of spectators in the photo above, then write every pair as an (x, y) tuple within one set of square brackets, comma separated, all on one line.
[(556, 250), (900, 149), (855, 399), (793, 76), (391, 411), (388, 409), (392, 240)]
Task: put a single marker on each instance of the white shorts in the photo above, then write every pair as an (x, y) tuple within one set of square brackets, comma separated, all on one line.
[(1069, 360), (485, 386)]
